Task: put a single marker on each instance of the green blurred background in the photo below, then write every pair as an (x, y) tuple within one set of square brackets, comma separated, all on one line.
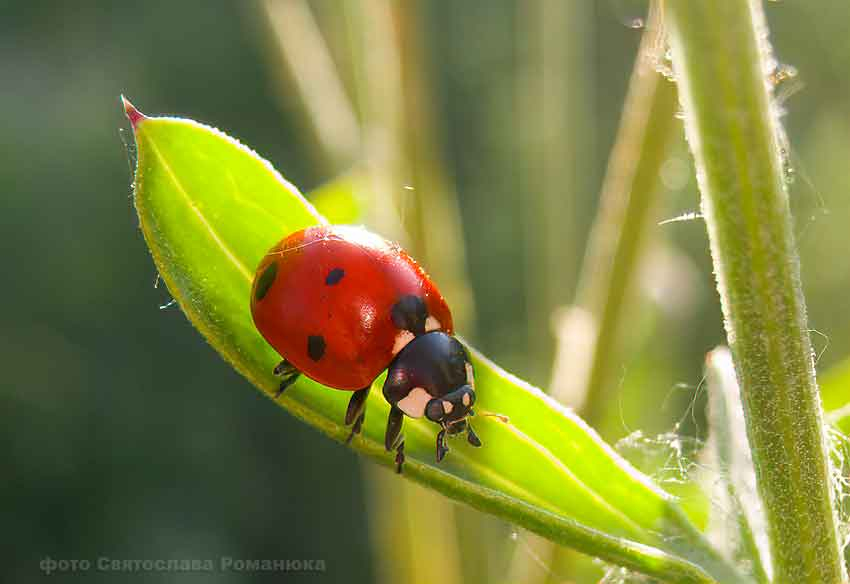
[(125, 436)]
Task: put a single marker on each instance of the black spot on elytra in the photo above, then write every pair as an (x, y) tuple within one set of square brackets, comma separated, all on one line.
[(410, 313), (265, 281), (316, 347), (334, 276)]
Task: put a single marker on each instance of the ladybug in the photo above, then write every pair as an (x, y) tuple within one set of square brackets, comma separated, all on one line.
[(340, 305)]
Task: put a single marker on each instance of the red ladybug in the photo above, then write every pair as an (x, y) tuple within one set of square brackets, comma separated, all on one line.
[(340, 305)]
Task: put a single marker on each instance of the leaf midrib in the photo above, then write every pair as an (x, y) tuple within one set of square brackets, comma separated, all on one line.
[(243, 270)]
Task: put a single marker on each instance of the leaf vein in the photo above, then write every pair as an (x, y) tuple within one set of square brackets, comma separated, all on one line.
[(243, 270)]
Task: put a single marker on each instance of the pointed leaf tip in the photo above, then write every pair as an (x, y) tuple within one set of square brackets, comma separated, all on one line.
[(134, 115)]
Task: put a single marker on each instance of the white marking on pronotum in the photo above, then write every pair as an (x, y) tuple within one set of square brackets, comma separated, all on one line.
[(470, 376), (466, 399), (401, 340), (448, 407), (432, 324), (414, 403)]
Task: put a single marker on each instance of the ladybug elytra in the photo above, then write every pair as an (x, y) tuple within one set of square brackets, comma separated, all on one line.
[(340, 305)]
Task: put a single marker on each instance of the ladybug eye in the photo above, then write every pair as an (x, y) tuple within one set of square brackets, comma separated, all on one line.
[(434, 410)]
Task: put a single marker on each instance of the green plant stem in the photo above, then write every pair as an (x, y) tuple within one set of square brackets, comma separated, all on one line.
[(720, 50)]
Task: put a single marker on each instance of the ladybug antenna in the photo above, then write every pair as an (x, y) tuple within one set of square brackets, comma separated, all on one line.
[(502, 418)]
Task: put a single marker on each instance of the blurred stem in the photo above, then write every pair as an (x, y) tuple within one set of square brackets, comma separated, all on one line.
[(553, 86), (411, 202), (434, 223), (627, 202), (376, 73), (403, 516), (720, 57), (398, 151), (552, 106), (307, 57)]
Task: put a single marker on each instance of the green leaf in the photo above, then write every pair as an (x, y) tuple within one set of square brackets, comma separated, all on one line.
[(835, 395), (210, 208), (740, 514)]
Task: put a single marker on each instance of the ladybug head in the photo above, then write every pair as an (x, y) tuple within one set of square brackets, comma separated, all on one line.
[(432, 377), (451, 410)]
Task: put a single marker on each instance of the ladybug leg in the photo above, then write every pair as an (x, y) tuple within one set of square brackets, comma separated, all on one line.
[(283, 368), (289, 374), (285, 383), (399, 457), (393, 439), (471, 436), (394, 423), (441, 445), (355, 429), (356, 411)]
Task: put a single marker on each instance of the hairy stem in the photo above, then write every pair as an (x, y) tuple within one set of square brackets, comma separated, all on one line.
[(721, 59)]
